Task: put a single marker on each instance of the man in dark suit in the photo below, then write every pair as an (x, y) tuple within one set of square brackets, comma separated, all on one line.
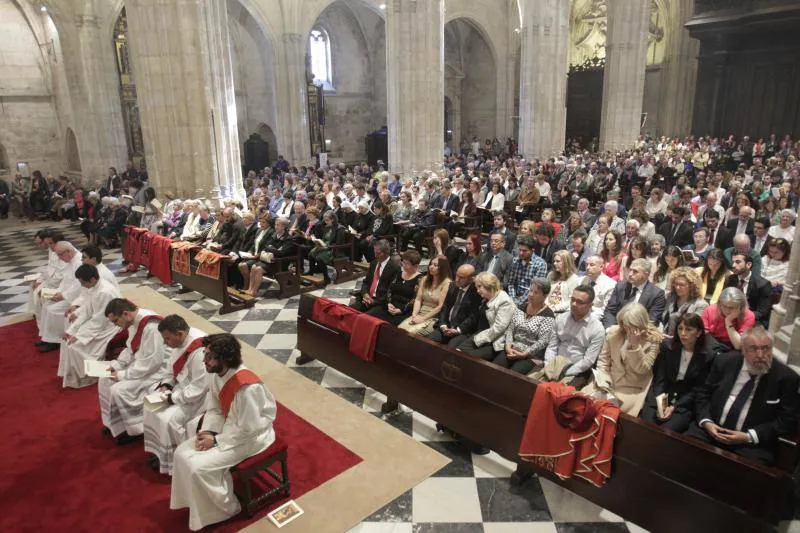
[(382, 271), (447, 201), (760, 238), (719, 236), (231, 233), (743, 224), (461, 310), (546, 246), (757, 290), (500, 227), (637, 289), (677, 231), (748, 400)]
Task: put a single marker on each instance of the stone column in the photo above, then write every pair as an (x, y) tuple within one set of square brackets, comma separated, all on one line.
[(784, 322), (181, 51), (543, 78), (623, 81), (415, 84), (679, 78), (294, 141), (94, 88)]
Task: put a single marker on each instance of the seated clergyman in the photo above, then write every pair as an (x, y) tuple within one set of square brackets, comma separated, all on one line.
[(134, 373), (88, 332), (237, 424), (183, 388)]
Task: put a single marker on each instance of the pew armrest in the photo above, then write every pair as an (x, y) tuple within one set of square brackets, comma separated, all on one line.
[(787, 453)]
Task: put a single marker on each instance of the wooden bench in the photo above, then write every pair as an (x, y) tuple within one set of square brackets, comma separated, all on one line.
[(662, 481), (256, 470), (216, 289)]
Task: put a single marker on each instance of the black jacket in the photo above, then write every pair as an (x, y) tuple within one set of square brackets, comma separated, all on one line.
[(249, 237), (773, 410), (652, 298), (387, 276), (466, 319), (682, 238), (759, 295), (665, 372), (231, 236)]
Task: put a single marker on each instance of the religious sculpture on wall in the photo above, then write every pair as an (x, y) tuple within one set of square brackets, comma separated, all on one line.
[(588, 27)]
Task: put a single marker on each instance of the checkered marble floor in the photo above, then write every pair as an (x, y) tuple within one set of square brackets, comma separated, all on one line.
[(472, 494)]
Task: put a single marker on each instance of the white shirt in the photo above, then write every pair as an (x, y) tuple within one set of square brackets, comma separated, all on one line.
[(778, 232), (759, 243), (638, 294), (686, 358)]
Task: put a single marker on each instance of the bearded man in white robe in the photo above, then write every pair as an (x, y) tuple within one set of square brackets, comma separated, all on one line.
[(90, 255), (134, 374), (53, 310), (51, 276), (183, 386), (89, 332), (237, 424)]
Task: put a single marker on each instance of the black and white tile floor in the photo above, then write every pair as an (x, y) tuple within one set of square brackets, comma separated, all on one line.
[(472, 494)]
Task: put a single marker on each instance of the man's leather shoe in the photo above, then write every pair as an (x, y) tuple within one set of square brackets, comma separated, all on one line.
[(304, 358), (124, 439), (39, 343), (49, 347)]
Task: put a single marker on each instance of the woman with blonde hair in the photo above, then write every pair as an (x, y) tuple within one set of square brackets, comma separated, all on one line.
[(430, 298), (563, 279), (497, 310), (526, 227), (684, 296), (625, 364)]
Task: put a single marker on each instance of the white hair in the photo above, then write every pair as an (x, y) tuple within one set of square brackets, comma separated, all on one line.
[(612, 205)]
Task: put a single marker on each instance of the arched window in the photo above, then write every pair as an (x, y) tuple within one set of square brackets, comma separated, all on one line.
[(319, 48)]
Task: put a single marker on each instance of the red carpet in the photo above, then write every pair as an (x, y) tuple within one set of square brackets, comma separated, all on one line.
[(59, 473)]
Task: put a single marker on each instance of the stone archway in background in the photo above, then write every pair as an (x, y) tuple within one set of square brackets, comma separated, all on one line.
[(266, 133), (73, 154), (470, 81)]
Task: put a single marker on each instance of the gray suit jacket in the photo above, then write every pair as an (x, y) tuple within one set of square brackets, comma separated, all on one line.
[(503, 263)]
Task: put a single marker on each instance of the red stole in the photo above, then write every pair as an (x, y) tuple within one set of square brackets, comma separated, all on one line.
[(229, 390), (137, 338), (178, 365)]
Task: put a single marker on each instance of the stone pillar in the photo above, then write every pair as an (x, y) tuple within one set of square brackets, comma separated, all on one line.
[(623, 81), (294, 138), (543, 78), (415, 84), (94, 92), (181, 51), (679, 78), (784, 322)]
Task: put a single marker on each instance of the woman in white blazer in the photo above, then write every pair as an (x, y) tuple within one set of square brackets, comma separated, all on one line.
[(495, 200), (498, 310)]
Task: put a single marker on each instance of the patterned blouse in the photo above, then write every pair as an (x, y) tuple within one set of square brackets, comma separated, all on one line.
[(531, 335)]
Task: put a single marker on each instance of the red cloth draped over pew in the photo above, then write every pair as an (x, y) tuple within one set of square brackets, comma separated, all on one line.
[(570, 434), (150, 250), (362, 328)]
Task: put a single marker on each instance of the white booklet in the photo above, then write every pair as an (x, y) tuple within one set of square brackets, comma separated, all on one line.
[(137, 209), (96, 369), (155, 401), (246, 255), (48, 294), (155, 203), (32, 277)]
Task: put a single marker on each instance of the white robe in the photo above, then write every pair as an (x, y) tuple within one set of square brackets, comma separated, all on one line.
[(166, 428), (201, 480), (105, 274), (51, 319), (121, 401), (51, 278), (92, 330)]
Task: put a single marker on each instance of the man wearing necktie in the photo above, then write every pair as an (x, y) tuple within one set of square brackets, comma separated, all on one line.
[(748, 401)]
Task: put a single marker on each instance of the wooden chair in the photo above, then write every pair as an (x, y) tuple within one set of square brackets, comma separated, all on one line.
[(256, 469)]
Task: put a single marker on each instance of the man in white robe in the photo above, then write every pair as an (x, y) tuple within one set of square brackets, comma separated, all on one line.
[(134, 374), (90, 255), (53, 310), (236, 425), (183, 385), (89, 332), (50, 277)]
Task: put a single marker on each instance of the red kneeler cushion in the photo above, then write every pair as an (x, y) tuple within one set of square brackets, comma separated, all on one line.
[(278, 446)]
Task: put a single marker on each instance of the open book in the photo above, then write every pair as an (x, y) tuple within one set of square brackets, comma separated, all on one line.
[(351, 230), (662, 402), (246, 255), (155, 401), (155, 203), (96, 369), (48, 294), (137, 209), (30, 278), (318, 242)]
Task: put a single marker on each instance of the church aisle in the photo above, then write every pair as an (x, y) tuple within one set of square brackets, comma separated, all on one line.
[(472, 494)]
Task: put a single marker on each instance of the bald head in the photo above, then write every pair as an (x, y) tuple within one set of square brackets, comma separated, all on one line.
[(465, 275), (65, 251), (742, 242)]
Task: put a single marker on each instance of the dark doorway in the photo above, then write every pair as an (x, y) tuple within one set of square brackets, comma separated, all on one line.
[(584, 103)]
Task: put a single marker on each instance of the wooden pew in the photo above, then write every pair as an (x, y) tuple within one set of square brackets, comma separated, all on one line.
[(216, 289), (661, 480)]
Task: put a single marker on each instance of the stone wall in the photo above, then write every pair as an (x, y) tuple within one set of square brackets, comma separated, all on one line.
[(29, 128), (479, 89), (652, 99)]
